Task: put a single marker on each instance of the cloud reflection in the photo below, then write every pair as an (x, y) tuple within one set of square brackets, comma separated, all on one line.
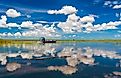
[(64, 69), (13, 66), (73, 56)]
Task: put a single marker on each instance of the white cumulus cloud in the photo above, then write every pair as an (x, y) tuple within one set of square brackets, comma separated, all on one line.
[(106, 26), (87, 19), (17, 34), (3, 21), (117, 7), (42, 32), (28, 24), (9, 34), (12, 13), (76, 24), (71, 24), (65, 10), (12, 25)]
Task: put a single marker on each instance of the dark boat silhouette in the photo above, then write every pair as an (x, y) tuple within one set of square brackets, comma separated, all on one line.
[(43, 40)]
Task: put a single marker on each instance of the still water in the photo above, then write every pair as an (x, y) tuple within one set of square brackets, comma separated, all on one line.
[(62, 60)]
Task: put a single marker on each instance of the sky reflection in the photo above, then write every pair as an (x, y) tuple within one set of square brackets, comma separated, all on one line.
[(72, 54)]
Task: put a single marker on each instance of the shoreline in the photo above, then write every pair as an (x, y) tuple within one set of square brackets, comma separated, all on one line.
[(5, 41)]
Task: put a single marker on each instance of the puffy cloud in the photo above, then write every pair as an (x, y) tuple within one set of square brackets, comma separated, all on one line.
[(9, 34), (3, 34), (3, 21), (46, 32), (73, 18), (67, 27), (106, 26), (27, 24), (87, 19), (3, 18), (88, 27), (71, 25), (17, 34), (12, 13), (65, 10), (4, 24), (13, 25), (75, 24), (117, 7)]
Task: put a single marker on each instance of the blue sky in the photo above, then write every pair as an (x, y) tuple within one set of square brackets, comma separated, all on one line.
[(63, 19)]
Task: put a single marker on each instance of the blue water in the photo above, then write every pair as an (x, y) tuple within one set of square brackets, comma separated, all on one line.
[(62, 60)]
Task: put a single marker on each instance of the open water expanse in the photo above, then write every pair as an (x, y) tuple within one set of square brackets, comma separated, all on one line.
[(61, 60)]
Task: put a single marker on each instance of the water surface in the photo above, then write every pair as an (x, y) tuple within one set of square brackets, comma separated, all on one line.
[(62, 60)]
